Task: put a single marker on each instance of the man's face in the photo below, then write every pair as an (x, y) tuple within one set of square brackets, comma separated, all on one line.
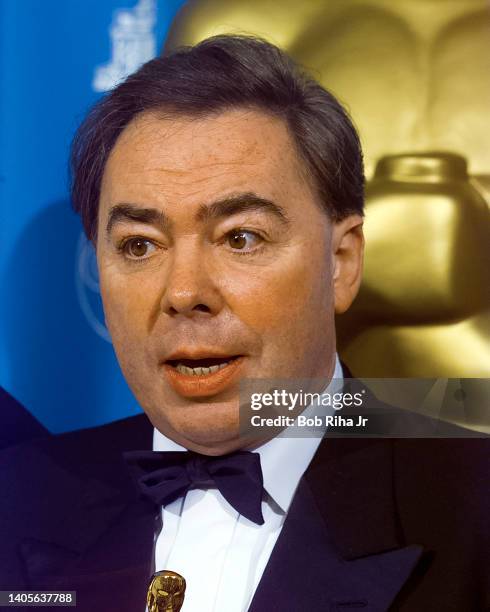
[(213, 252)]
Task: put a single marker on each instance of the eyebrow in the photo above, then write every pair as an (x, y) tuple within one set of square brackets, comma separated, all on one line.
[(121, 213), (243, 202), (225, 207)]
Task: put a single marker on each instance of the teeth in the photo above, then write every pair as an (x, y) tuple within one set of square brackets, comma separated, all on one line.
[(199, 371)]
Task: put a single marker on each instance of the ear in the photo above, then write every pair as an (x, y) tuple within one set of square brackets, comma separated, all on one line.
[(348, 252)]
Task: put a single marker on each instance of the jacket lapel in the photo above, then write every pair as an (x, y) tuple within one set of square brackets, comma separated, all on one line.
[(111, 573), (340, 547), (98, 538)]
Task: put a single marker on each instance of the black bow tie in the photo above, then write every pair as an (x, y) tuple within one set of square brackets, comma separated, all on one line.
[(165, 476)]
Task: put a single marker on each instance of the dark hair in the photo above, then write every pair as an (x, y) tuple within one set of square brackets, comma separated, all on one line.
[(220, 73)]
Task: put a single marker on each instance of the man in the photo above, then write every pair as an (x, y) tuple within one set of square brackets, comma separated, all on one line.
[(223, 191)]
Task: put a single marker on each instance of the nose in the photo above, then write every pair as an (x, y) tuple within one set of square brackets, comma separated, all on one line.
[(189, 289)]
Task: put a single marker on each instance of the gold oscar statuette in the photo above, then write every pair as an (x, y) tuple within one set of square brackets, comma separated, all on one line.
[(165, 592)]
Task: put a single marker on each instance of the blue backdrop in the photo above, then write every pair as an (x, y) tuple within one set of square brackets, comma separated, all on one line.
[(57, 56)]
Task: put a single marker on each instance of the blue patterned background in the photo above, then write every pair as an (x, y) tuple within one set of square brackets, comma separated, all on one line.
[(53, 357)]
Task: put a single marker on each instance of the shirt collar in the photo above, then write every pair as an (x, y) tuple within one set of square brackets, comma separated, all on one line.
[(284, 459)]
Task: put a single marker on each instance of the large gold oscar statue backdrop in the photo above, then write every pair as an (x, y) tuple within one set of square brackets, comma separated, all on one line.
[(415, 75)]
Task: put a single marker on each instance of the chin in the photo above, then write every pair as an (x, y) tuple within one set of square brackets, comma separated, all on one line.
[(208, 429)]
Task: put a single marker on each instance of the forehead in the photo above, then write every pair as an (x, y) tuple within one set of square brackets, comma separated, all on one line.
[(182, 156)]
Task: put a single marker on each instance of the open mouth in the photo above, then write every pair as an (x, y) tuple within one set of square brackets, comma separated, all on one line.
[(203, 377), (200, 367)]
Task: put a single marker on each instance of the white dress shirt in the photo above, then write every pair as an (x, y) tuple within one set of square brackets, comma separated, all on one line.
[(221, 554)]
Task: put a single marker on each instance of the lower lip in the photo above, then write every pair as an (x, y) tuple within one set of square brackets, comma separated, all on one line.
[(203, 385)]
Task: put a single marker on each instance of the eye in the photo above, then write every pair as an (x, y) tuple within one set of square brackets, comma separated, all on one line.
[(242, 240), (137, 248)]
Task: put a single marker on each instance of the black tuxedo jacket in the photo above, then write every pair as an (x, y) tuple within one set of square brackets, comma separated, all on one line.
[(376, 524)]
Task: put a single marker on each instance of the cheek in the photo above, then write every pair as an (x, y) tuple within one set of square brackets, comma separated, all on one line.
[(284, 297), (127, 306)]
